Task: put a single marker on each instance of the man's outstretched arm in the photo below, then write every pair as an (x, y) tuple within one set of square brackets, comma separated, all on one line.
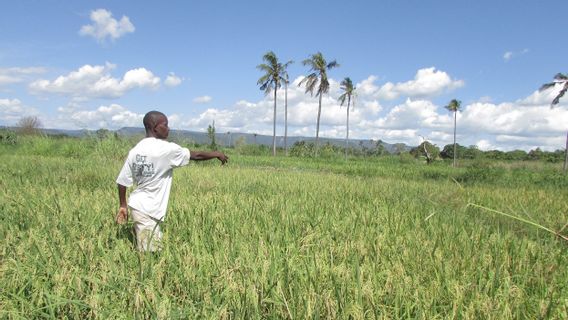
[(208, 155)]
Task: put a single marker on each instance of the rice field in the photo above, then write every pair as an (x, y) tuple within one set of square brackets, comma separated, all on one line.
[(282, 238)]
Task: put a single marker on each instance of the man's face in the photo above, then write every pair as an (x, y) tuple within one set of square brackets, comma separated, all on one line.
[(161, 130)]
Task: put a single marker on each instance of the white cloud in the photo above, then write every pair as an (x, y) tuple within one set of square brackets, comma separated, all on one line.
[(507, 56), (96, 82), (104, 25), (400, 124), (485, 145), (427, 82), (367, 87), (202, 99), (172, 80), (413, 114), (175, 121), (16, 74), (545, 97), (511, 119), (113, 116), (524, 124), (11, 110)]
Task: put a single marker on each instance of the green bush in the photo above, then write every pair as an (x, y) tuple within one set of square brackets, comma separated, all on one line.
[(8, 137)]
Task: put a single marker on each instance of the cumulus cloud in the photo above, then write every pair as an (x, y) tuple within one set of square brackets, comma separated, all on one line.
[(96, 82), (202, 99), (510, 118), (17, 74), (413, 114), (543, 97), (523, 124), (427, 82), (172, 80), (113, 116), (367, 117), (242, 117), (105, 26), (503, 126), (12, 110)]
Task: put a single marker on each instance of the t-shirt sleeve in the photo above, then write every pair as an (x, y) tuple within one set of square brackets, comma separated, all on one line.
[(125, 175), (179, 156)]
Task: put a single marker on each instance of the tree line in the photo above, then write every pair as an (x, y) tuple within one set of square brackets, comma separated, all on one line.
[(275, 74)]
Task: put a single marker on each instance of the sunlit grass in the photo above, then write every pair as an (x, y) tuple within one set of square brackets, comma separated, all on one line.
[(281, 238)]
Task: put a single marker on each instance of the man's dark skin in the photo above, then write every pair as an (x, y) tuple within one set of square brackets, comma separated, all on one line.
[(157, 127)]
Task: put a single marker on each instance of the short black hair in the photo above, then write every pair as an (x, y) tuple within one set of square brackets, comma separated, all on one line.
[(151, 118)]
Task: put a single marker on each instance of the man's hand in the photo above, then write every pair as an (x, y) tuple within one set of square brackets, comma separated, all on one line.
[(208, 155), (122, 215), (223, 158)]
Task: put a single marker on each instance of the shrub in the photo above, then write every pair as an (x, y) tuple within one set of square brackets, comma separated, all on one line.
[(29, 125), (8, 137)]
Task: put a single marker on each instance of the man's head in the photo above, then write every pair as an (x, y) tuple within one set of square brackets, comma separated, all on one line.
[(156, 125)]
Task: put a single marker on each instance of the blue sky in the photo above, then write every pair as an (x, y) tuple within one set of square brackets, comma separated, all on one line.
[(103, 64)]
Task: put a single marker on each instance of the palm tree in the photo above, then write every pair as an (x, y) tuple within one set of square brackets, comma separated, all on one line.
[(286, 82), (561, 79), (271, 80), (317, 78), (454, 106), (348, 92)]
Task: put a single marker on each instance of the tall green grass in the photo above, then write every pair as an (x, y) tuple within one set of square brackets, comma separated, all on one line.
[(281, 238)]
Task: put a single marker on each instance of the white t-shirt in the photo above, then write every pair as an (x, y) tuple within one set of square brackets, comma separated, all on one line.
[(150, 167)]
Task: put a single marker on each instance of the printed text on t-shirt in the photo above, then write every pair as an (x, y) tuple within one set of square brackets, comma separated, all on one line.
[(143, 168)]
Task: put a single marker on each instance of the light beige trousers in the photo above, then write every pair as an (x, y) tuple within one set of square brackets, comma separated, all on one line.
[(147, 230)]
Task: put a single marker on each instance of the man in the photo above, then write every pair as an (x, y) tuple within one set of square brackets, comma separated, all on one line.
[(149, 166)]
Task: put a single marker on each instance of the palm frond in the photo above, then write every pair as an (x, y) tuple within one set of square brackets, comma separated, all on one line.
[(266, 87), (272, 73), (547, 86), (342, 98), (310, 82), (560, 95), (307, 78), (454, 105), (287, 64), (263, 79), (561, 77), (346, 85), (270, 57), (348, 90), (308, 62), (332, 65), (324, 86)]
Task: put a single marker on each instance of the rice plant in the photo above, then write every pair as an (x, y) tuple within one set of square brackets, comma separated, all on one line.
[(279, 238)]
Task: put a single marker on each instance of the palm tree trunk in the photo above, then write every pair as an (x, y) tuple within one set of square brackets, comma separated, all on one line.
[(318, 126), (286, 116), (347, 133), (455, 154), (274, 126), (565, 167)]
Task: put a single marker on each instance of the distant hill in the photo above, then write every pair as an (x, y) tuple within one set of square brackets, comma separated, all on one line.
[(225, 139)]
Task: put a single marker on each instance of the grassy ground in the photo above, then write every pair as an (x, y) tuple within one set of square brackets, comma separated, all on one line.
[(282, 238)]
